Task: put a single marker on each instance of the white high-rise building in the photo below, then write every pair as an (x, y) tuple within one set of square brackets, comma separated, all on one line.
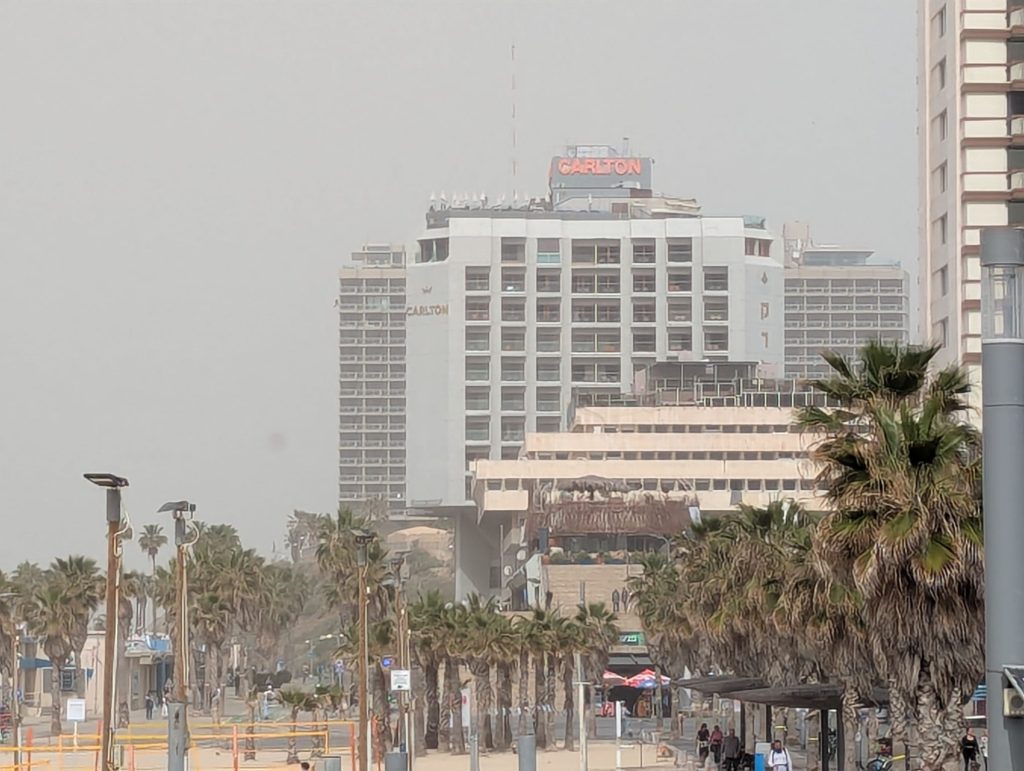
[(371, 407), (836, 300), (513, 309), (971, 129)]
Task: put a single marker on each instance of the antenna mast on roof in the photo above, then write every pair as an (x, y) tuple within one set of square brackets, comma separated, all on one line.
[(515, 167)]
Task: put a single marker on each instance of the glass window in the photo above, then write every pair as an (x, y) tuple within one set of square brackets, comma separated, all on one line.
[(716, 308), (478, 310), (716, 279), (513, 310), (478, 279), (549, 252), (680, 309), (716, 339), (513, 370), (513, 399), (644, 341), (644, 312), (513, 280), (549, 340), (549, 400), (549, 281), (478, 369), (548, 311), (478, 339), (679, 280), (478, 429), (512, 429), (513, 339), (549, 370), (546, 425), (478, 399), (513, 250), (643, 281), (680, 250), (680, 340), (643, 251)]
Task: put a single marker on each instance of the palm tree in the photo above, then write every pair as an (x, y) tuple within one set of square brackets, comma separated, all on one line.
[(297, 701), (211, 619), (83, 587), (151, 541), (480, 641), (426, 627), (568, 641), (55, 621), (538, 635), (600, 634), (506, 654), (901, 469)]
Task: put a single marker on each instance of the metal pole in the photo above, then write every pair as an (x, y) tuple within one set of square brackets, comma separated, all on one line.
[(364, 731), (16, 696), (581, 712), (110, 642), (1002, 346), (474, 735), (618, 736), (177, 711)]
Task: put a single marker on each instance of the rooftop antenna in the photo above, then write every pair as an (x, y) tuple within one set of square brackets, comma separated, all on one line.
[(515, 165), (625, 146)]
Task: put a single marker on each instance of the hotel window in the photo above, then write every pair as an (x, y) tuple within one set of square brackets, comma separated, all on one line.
[(716, 339), (940, 126), (549, 425), (680, 250), (643, 281), (549, 400), (549, 281), (548, 311), (644, 312), (716, 308), (478, 339), (478, 279), (478, 399), (548, 251), (939, 23), (513, 399), (643, 252), (644, 341), (513, 250), (680, 280), (512, 429), (680, 309), (513, 310), (478, 429), (940, 230), (680, 340), (549, 370), (478, 369), (939, 74), (716, 279), (478, 310), (549, 340), (513, 339), (513, 280)]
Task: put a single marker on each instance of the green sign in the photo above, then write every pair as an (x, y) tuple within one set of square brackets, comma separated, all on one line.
[(632, 638)]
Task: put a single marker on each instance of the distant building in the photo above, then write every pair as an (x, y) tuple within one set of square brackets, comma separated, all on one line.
[(837, 301), (371, 352), (632, 472), (513, 308)]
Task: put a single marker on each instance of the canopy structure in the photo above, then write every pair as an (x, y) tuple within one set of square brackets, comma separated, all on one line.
[(799, 695), (646, 680), (611, 679)]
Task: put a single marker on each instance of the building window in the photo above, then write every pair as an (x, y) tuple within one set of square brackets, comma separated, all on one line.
[(644, 312), (680, 250), (478, 429), (478, 279), (940, 126), (549, 281), (478, 369), (643, 252), (941, 285), (513, 280), (512, 429), (716, 279), (548, 251), (644, 341), (716, 308), (940, 229), (478, 310), (716, 339), (680, 280), (549, 400), (513, 250), (941, 332), (764, 339), (939, 23), (513, 400), (643, 281), (757, 247), (478, 399), (608, 284), (546, 425), (680, 309), (513, 339), (548, 311), (513, 370), (939, 74), (434, 250), (680, 340), (939, 180), (549, 370), (549, 340), (513, 310), (603, 252), (478, 339)]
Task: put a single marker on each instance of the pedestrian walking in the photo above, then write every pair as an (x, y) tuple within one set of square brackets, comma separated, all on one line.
[(969, 749), (716, 745), (703, 743), (731, 750), (778, 758), (150, 704)]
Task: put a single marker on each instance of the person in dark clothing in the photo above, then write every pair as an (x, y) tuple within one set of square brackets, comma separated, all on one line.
[(150, 704), (716, 744), (703, 742), (969, 748)]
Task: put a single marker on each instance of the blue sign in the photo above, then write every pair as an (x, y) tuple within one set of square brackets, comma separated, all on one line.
[(387, 661)]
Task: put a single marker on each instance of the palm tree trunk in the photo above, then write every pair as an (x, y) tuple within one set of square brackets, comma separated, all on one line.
[(250, 731), (382, 710), (567, 669), (503, 739), (540, 727), (937, 726), (659, 695), (56, 667), (433, 707), (454, 691), (524, 690), (484, 698), (549, 696), (444, 723)]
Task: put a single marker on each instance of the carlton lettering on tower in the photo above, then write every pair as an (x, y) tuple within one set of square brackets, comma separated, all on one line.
[(620, 166)]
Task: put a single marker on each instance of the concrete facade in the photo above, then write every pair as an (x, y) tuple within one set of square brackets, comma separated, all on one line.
[(510, 312), (371, 402), (971, 135)]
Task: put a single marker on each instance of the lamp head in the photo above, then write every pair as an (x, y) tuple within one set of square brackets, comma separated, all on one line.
[(106, 480)]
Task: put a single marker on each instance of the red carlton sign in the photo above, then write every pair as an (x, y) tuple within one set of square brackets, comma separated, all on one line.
[(620, 166)]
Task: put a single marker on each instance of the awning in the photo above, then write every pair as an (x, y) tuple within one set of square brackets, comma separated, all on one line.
[(799, 695)]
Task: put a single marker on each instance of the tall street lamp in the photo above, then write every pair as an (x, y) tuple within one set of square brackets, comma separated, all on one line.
[(363, 540), (15, 682), (112, 484), (177, 713), (1002, 356)]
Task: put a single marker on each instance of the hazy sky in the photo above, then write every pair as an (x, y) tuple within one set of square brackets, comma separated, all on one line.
[(180, 181)]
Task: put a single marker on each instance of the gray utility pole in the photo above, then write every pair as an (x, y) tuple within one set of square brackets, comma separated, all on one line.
[(1002, 357), (113, 485), (581, 710), (177, 709)]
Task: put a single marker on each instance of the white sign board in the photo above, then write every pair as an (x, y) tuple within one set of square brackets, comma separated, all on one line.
[(401, 680), (76, 710)]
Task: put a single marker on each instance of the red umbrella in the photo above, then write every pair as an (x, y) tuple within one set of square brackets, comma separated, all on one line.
[(646, 679), (611, 679)]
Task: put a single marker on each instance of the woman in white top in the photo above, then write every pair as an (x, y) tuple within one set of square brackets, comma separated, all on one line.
[(778, 758)]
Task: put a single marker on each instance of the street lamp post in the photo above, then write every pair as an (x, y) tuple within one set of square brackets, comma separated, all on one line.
[(112, 484), (177, 712), (15, 684), (363, 539), (1002, 346)]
